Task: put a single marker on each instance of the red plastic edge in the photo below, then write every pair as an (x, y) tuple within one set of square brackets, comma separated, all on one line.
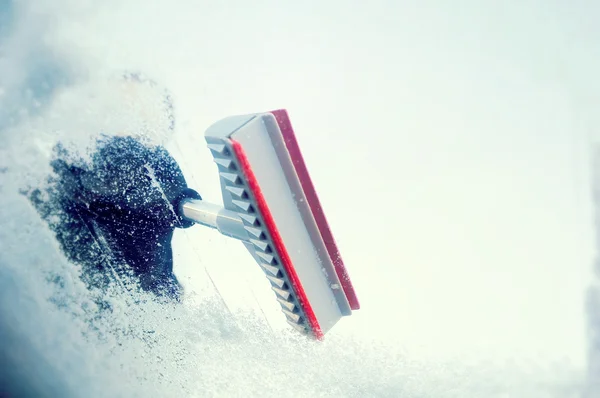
[(263, 207), (283, 120)]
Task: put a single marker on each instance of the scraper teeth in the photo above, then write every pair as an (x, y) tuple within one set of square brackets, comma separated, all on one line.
[(257, 239), (218, 148), (224, 162), (257, 233), (276, 281), (291, 316), (270, 269), (260, 244), (237, 191), (300, 328), (231, 177), (287, 304), (284, 294), (269, 259), (242, 204), (248, 219)]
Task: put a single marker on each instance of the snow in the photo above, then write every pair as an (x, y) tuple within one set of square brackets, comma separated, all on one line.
[(449, 145)]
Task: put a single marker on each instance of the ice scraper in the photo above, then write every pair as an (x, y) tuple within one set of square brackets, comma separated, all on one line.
[(271, 206)]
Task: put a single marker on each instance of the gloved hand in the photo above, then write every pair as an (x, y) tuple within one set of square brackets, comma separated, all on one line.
[(128, 197)]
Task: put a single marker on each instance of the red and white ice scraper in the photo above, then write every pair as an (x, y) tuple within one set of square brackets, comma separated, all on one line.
[(270, 204)]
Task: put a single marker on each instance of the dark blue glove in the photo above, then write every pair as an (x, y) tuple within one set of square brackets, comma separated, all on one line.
[(118, 210)]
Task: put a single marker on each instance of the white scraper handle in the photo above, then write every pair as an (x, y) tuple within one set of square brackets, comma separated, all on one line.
[(225, 221)]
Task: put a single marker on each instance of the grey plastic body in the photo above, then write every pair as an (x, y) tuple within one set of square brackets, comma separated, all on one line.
[(302, 277)]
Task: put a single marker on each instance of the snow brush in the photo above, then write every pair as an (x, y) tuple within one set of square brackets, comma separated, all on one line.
[(270, 204)]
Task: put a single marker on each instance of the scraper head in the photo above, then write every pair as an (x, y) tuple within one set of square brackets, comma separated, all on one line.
[(265, 182)]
